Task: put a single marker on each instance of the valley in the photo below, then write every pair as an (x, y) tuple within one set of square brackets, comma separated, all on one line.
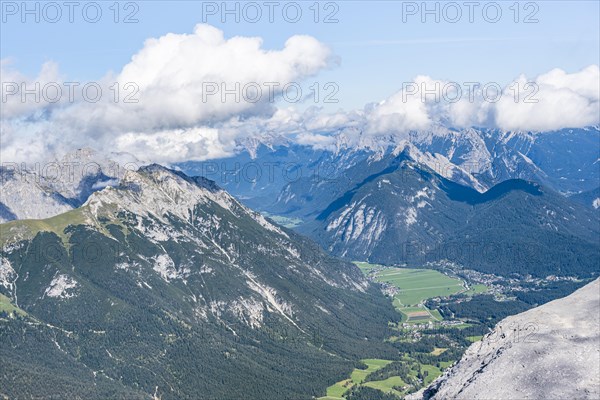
[(162, 279), (179, 263), (422, 283), (409, 289), (438, 323), (421, 337)]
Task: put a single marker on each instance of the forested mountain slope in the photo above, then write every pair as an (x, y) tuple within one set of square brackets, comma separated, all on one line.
[(166, 278), (410, 214)]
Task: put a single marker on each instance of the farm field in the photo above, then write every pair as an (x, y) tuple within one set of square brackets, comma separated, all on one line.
[(477, 289), (366, 267), (389, 385), (437, 351), (415, 287), (418, 285), (337, 390)]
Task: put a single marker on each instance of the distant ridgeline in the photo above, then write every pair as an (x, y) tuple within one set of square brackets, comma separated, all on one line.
[(494, 201), (412, 215)]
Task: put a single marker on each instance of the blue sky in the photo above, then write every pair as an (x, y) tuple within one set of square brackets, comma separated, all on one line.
[(377, 50)]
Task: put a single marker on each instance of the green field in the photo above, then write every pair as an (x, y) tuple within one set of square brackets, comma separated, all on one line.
[(415, 286), (337, 390), (7, 306), (418, 285), (366, 267), (437, 351), (387, 385), (432, 371), (359, 375), (476, 289)]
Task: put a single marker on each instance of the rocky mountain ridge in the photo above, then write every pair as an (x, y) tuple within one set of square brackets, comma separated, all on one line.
[(549, 352), (43, 190), (164, 278)]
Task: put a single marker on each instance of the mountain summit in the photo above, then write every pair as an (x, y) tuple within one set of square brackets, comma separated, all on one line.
[(43, 190)]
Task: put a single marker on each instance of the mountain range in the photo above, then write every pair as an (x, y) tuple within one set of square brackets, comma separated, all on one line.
[(478, 157), (499, 202), (494, 201), (409, 214), (164, 278), (119, 280), (43, 190)]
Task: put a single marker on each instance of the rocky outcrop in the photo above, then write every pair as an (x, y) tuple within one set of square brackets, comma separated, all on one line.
[(549, 352)]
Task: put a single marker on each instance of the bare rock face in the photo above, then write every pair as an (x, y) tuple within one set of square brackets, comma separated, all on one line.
[(59, 185), (549, 352)]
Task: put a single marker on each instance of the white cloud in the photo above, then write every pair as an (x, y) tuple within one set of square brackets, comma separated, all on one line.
[(15, 101), (399, 113), (176, 73), (563, 101), (172, 73), (173, 121), (176, 145), (315, 120), (103, 184), (316, 140)]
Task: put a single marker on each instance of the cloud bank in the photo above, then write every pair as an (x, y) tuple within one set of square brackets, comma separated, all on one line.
[(194, 96), (551, 101), (168, 100)]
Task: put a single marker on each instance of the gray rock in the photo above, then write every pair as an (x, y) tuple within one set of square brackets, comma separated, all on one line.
[(549, 352)]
